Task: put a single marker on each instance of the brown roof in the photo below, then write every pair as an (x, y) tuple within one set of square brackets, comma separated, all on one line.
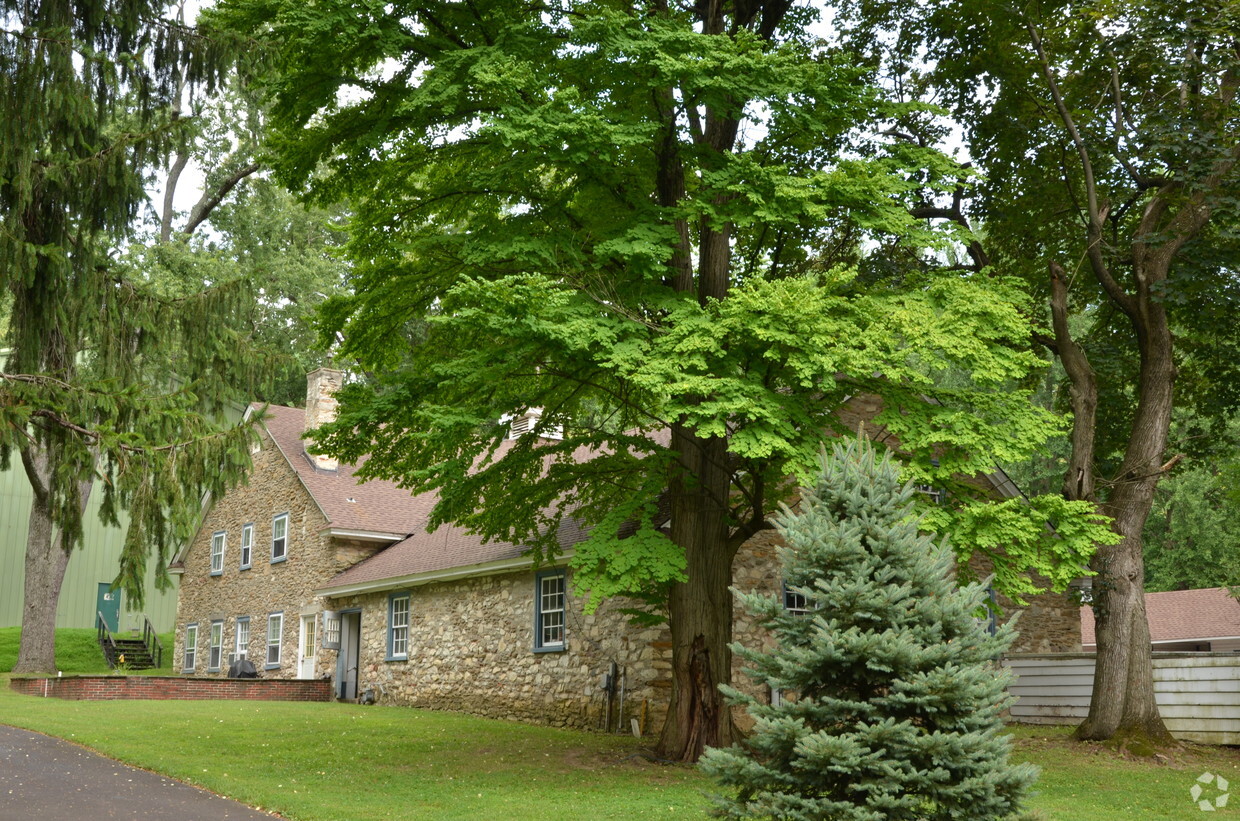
[(1182, 615), (381, 506), (348, 503)]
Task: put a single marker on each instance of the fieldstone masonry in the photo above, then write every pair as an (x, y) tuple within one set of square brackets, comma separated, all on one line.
[(471, 642), (267, 587)]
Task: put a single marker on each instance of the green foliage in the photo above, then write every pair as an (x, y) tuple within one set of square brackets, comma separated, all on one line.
[(1191, 535), (892, 698), (109, 374), (542, 188)]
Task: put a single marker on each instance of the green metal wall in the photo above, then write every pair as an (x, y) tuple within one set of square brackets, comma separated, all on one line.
[(94, 562)]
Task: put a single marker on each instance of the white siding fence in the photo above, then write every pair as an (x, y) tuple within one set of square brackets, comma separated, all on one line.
[(1198, 693)]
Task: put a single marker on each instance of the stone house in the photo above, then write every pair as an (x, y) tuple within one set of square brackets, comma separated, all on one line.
[(309, 573)]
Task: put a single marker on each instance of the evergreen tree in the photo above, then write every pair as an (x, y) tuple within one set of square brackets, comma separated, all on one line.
[(897, 702), (110, 380)]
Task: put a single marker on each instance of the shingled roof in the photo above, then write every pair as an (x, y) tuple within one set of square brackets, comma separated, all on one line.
[(376, 506), (379, 506), (1181, 615)]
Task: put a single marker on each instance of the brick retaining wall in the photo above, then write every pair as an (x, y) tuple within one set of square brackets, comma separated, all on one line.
[(100, 688)]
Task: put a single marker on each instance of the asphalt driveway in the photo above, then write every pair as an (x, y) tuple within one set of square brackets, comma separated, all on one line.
[(47, 778)]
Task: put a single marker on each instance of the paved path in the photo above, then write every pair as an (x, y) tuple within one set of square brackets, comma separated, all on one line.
[(49, 779)]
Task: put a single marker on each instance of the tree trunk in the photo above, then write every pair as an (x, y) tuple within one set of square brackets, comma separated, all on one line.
[(1122, 706), (700, 608), (47, 558)]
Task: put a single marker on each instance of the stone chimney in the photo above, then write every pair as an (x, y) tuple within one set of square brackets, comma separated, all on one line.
[(321, 387)]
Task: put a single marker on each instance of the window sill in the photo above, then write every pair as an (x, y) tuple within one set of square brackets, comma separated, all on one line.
[(283, 558), (552, 648), (271, 666), (217, 572), (246, 566)]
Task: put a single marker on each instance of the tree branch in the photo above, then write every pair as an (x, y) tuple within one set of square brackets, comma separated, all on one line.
[(1095, 211), (210, 200)]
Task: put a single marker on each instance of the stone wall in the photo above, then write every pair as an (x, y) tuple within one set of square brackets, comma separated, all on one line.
[(108, 688), (285, 586), (471, 648)]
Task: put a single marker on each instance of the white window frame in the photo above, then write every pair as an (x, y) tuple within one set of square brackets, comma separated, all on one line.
[(331, 630), (796, 603), (276, 620), (247, 546), (550, 611), (191, 648), (399, 606), (242, 646), (215, 646), (219, 540), (281, 541)]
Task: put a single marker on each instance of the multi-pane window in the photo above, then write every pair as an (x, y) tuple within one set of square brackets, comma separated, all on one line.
[(191, 646), (275, 630), (217, 552), (279, 538), (398, 626), (549, 610), (217, 646), (247, 545), (331, 630), (243, 637), (795, 603)]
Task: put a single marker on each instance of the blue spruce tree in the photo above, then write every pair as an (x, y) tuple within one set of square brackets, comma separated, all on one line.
[(894, 698)]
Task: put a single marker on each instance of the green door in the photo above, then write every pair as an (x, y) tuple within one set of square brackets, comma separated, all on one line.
[(108, 602)]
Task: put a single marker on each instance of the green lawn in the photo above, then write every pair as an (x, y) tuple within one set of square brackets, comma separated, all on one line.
[(318, 762), (77, 651)]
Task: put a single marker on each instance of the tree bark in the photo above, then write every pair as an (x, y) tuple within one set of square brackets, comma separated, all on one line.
[(700, 608), (47, 558), (1123, 706)]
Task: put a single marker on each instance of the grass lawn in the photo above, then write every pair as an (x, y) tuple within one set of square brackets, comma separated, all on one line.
[(318, 762), (77, 651)]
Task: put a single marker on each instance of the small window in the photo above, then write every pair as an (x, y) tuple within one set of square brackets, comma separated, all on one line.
[(549, 590), (279, 538), (398, 626), (331, 630), (275, 630), (217, 552), (216, 647), (933, 494), (247, 546), (243, 638), (795, 603), (191, 647)]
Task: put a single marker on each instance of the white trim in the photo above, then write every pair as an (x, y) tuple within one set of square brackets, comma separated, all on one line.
[(446, 574), (363, 535)]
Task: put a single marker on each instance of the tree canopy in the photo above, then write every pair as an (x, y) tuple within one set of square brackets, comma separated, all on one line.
[(1106, 137), (642, 219), (108, 375)]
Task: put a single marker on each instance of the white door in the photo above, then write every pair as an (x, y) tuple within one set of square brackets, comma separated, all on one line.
[(307, 645)]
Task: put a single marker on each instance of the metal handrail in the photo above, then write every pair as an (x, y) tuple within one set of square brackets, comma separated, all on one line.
[(151, 639), (103, 634)]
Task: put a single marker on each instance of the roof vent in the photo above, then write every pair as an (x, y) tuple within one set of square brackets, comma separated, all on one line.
[(525, 422)]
